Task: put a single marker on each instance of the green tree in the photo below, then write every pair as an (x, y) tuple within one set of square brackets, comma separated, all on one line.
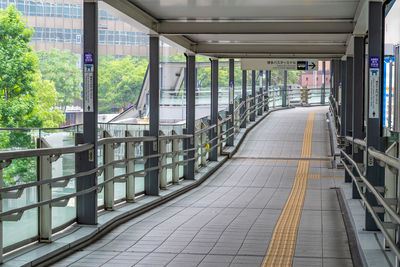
[(120, 81), (17, 60), (61, 68), (26, 100)]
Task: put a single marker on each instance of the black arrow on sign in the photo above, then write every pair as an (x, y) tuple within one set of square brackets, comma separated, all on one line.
[(313, 65)]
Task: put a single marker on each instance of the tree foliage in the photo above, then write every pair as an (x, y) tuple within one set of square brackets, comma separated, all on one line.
[(17, 59), (120, 81), (61, 67), (26, 100)]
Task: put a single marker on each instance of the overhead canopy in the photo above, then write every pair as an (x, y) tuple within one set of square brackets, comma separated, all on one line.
[(252, 28)]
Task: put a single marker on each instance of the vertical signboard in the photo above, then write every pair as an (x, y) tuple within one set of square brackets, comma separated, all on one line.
[(231, 92), (374, 80), (88, 82)]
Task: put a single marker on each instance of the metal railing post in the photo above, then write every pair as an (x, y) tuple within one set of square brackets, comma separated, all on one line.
[(44, 173), (390, 189), (163, 161), (108, 174), (203, 148), (130, 167), (175, 159)]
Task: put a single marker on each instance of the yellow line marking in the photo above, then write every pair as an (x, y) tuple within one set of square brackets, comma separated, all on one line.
[(284, 157), (281, 160), (317, 176), (283, 241)]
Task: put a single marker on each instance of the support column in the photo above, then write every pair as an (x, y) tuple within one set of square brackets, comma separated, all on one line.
[(253, 95), (342, 96), (358, 104), (348, 113), (336, 76), (229, 141), (375, 173), (152, 179), (267, 84), (87, 204), (331, 79), (244, 99), (214, 109), (284, 93), (323, 83), (260, 91), (190, 84)]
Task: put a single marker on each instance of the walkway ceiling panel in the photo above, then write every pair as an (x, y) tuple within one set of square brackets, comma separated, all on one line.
[(249, 9), (237, 28)]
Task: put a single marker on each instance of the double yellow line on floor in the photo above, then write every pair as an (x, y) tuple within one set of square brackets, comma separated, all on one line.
[(283, 241)]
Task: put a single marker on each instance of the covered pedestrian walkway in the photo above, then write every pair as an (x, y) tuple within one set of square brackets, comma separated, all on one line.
[(273, 203)]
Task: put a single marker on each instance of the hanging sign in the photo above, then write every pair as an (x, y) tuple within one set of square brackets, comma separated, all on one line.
[(278, 64)]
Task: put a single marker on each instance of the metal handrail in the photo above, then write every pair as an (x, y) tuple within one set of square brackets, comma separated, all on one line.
[(390, 160), (29, 153), (376, 218), (372, 189), (110, 143)]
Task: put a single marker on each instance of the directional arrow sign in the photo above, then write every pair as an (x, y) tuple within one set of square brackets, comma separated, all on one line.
[(278, 64)]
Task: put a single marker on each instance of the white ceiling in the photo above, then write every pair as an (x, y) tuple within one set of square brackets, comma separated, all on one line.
[(250, 28)]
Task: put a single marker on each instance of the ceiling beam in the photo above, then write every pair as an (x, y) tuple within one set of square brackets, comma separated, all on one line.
[(269, 49), (263, 27)]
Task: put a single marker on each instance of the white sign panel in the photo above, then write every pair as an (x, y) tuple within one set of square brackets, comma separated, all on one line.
[(278, 64), (88, 87), (373, 93)]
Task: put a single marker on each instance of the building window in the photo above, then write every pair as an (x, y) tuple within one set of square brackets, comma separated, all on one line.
[(110, 37), (102, 36), (77, 11), (67, 11), (77, 35), (49, 10), (39, 9), (59, 10), (67, 36), (59, 35), (21, 6)]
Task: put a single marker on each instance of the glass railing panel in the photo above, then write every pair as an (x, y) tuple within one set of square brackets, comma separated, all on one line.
[(64, 165), (27, 227)]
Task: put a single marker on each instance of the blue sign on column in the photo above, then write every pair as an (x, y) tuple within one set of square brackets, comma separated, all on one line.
[(374, 62), (88, 58)]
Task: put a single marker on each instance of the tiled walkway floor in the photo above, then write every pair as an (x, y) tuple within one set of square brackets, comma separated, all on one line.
[(230, 218)]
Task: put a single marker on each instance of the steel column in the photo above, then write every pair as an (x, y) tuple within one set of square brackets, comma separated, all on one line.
[(284, 93), (342, 96), (253, 95), (152, 179), (244, 99), (331, 79), (229, 141), (323, 83), (87, 204), (260, 98), (190, 112), (267, 84), (214, 109), (375, 173), (348, 95), (358, 104)]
